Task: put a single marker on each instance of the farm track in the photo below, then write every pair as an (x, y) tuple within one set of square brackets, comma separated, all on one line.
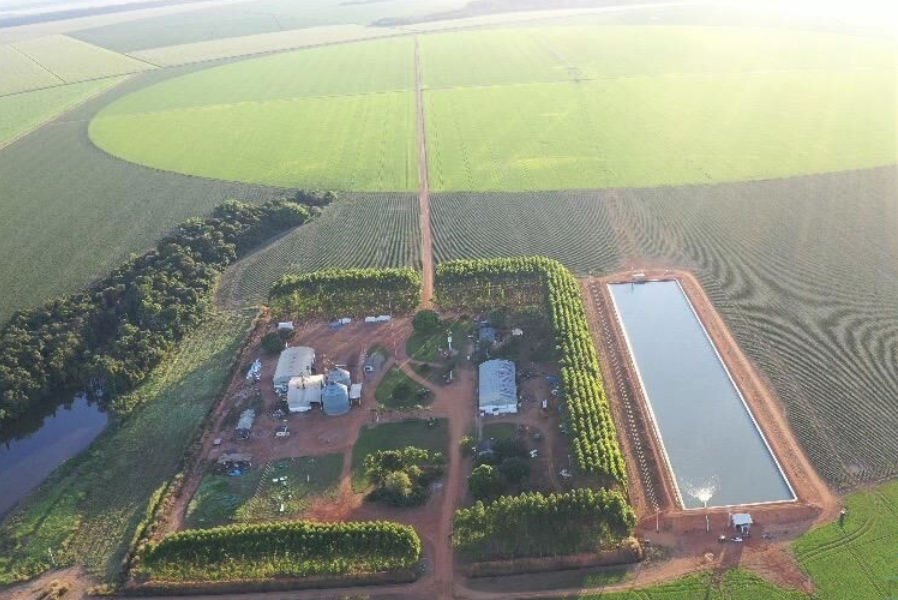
[(427, 267)]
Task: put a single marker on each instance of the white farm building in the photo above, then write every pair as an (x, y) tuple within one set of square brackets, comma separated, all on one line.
[(498, 389), (304, 392), (293, 362)]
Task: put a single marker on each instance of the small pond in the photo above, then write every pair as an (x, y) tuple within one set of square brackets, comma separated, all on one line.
[(27, 458)]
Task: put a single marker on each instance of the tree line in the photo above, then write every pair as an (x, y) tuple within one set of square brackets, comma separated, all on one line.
[(108, 338), (535, 525), (481, 285), (336, 293), (285, 549)]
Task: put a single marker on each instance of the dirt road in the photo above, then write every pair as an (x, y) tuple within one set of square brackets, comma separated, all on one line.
[(424, 188)]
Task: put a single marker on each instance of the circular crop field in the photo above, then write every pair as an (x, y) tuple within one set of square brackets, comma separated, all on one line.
[(517, 109)]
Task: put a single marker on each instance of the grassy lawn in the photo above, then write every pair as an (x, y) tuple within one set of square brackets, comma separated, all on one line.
[(393, 436), (256, 496), (426, 346), (499, 431), (88, 509), (219, 498), (388, 384)]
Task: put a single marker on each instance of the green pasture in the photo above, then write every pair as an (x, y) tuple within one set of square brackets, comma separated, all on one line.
[(88, 510), (395, 436), (283, 488), (22, 113)]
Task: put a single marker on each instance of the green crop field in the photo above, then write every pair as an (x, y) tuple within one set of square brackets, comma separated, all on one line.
[(361, 231), (343, 119), (591, 107), (21, 73), (88, 509), (73, 213), (22, 113), (72, 60), (183, 54), (251, 18), (857, 560), (521, 108), (803, 270), (636, 132)]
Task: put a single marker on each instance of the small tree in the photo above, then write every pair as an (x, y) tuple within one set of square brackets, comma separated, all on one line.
[(426, 321), (486, 483), (272, 343), (398, 485), (515, 469)]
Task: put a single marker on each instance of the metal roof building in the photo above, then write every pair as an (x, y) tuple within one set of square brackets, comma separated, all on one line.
[(339, 375), (335, 399), (303, 392), (293, 362), (498, 389)]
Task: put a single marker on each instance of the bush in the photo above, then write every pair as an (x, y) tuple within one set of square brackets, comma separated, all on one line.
[(402, 392), (467, 445), (426, 321), (515, 469), (486, 482), (272, 343), (401, 477)]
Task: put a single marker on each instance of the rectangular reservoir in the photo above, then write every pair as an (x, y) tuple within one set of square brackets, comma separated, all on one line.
[(712, 443)]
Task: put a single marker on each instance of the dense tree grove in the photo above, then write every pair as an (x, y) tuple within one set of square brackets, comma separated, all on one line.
[(336, 293), (108, 338), (481, 285), (402, 477), (533, 524), (286, 549)]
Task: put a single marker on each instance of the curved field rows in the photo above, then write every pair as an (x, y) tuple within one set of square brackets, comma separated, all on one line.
[(499, 225), (71, 213), (804, 271), (365, 231)]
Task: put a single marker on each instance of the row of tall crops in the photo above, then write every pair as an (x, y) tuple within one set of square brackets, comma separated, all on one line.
[(292, 549)]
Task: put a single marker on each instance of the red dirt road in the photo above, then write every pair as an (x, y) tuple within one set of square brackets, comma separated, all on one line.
[(424, 188)]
